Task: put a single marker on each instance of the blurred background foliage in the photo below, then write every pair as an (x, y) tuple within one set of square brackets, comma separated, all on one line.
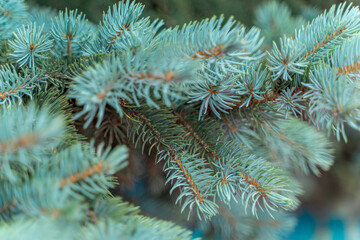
[(331, 204), (182, 11)]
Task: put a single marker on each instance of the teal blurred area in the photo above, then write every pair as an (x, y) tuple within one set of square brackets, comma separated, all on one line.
[(331, 204), (182, 11)]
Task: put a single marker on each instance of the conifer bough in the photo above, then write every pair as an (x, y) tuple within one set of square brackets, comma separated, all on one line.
[(229, 122)]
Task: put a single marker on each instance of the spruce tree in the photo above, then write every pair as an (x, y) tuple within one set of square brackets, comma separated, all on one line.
[(231, 123)]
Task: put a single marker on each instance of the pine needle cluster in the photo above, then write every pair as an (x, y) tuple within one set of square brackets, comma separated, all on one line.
[(231, 123)]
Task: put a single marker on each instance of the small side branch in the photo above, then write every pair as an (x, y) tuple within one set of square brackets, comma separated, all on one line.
[(4, 95), (349, 69), (94, 169), (326, 41), (213, 52)]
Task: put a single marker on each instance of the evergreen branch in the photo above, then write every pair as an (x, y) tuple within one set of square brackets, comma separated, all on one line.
[(122, 30), (213, 52), (92, 170), (88, 169), (315, 156), (96, 92), (267, 98), (346, 57), (252, 181), (260, 183), (252, 84), (341, 20), (131, 78), (226, 182), (59, 106), (332, 100), (118, 34), (233, 177), (191, 131), (353, 68), (118, 19), (4, 95), (12, 13), (143, 35), (215, 90), (26, 132), (13, 86), (188, 178), (30, 45), (250, 89), (70, 31), (228, 44), (188, 172), (286, 60), (279, 142), (326, 41), (329, 32), (25, 141), (33, 198), (112, 207), (195, 181), (271, 96), (291, 101), (67, 223), (158, 83)]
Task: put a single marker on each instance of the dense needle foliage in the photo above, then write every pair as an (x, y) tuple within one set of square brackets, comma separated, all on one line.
[(231, 123)]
